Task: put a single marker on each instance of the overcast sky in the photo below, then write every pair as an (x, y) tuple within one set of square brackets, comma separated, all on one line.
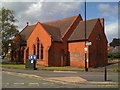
[(33, 12)]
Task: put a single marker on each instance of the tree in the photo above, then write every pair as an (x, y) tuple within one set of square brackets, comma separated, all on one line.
[(115, 42), (8, 29)]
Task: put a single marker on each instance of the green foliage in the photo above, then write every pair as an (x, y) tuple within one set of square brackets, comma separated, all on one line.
[(115, 42), (113, 56), (8, 55), (8, 29), (116, 69), (44, 67)]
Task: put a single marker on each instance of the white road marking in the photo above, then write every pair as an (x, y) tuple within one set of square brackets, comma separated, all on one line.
[(65, 71), (18, 83), (33, 84)]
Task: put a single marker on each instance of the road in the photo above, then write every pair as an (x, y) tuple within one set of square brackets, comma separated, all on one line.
[(11, 81), (90, 76), (16, 78)]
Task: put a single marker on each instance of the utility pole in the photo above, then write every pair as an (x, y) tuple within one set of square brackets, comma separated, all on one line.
[(86, 69)]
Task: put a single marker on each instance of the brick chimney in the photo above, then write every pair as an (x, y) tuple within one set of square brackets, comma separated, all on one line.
[(102, 22)]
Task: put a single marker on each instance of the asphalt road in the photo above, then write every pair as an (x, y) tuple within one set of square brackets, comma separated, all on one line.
[(19, 81), (89, 76), (12, 81)]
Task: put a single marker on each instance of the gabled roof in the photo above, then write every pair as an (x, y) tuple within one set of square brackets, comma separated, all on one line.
[(55, 28), (79, 32), (25, 33), (62, 24), (53, 31)]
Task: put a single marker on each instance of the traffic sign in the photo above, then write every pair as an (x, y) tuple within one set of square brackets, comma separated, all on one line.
[(88, 43)]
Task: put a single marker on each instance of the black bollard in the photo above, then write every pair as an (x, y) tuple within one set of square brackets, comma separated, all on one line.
[(105, 74), (35, 65)]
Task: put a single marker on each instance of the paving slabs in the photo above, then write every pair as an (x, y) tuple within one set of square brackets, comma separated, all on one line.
[(68, 79)]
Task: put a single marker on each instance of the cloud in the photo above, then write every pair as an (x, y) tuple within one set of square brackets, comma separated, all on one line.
[(33, 12), (111, 30), (46, 11), (108, 10)]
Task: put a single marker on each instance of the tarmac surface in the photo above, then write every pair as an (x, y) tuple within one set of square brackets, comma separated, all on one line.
[(89, 76), (13, 78), (94, 78), (19, 80)]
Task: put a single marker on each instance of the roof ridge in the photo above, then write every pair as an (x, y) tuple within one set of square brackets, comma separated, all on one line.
[(90, 19), (75, 19), (26, 27), (50, 25), (60, 19)]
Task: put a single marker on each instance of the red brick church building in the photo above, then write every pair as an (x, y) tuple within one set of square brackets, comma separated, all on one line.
[(61, 42)]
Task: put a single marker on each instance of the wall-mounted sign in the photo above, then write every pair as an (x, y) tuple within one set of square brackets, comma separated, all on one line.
[(88, 43)]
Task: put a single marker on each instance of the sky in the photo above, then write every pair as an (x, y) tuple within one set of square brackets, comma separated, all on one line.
[(41, 11)]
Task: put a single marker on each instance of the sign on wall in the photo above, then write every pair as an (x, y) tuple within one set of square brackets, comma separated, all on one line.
[(88, 43), (32, 57)]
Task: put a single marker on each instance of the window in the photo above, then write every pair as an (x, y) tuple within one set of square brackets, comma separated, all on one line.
[(98, 37), (23, 52), (41, 52), (38, 49), (34, 50)]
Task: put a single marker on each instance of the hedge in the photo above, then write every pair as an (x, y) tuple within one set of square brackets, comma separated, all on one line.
[(114, 55)]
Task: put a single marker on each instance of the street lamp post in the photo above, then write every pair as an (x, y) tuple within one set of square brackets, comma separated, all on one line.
[(86, 69)]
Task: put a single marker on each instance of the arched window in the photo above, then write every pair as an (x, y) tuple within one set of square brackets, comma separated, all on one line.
[(38, 48), (41, 52), (34, 50), (23, 52)]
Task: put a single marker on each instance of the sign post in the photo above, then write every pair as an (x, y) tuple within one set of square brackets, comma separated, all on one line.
[(86, 49), (31, 62)]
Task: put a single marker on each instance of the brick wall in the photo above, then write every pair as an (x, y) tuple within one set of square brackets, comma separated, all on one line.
[(98, 49), (44, 38), (97, 52), (76, 53)]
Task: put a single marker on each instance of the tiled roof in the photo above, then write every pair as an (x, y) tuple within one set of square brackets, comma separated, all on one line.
[(53, 31), (55, 28), (25, 33), (79, 32), (62, 24)]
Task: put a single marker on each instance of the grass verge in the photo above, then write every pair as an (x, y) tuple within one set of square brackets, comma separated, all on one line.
[(22, 66), (117, 69)]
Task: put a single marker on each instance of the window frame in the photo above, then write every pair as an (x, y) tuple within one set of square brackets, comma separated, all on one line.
[(38, 48), (42, 52)]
